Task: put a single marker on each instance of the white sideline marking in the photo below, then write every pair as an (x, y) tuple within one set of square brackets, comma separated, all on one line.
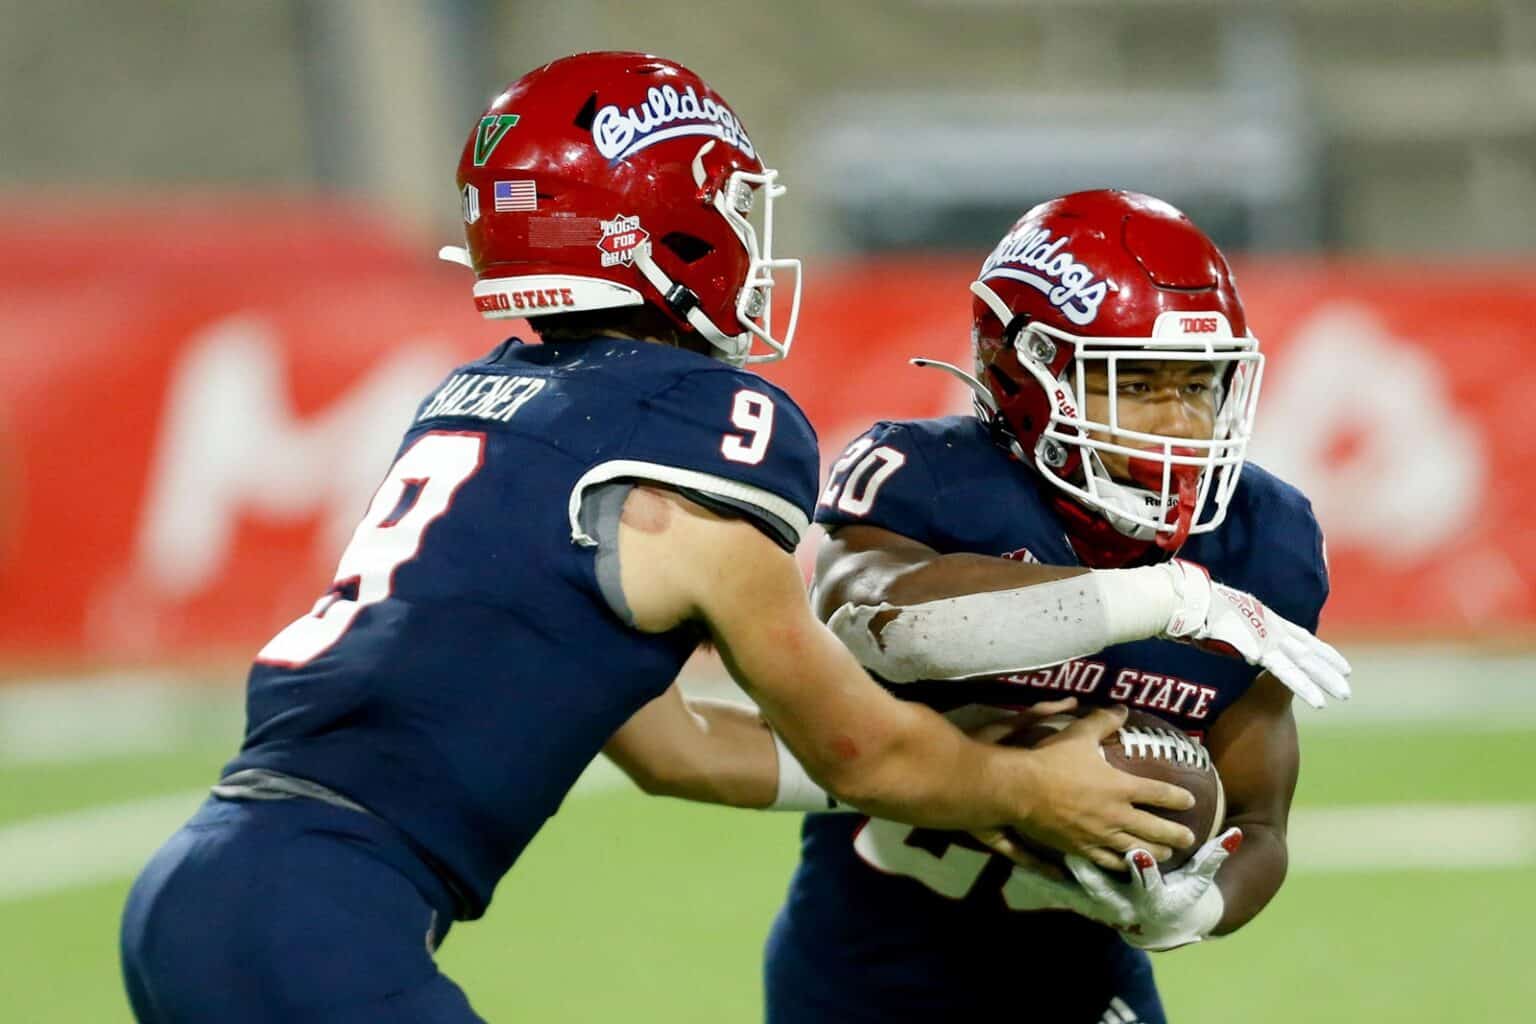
[(68, 720), (107, 843), (55, 852), (1412, 837), (62, 851)]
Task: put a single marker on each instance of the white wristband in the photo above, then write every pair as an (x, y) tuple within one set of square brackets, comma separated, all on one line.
[(1139, 603), (797, 790)]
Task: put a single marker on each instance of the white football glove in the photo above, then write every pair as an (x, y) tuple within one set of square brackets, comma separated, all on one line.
[(1217, 618), (1028, 889), (1155, 911)]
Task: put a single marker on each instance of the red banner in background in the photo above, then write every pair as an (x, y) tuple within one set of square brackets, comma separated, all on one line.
[(199, 403)]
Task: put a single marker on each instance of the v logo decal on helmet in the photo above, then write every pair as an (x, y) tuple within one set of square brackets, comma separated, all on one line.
[(493, 128)]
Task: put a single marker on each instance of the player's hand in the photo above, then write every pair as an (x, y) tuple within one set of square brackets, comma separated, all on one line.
[(1217, 618), (1155, 911), (1000, 728), (1081, 805), (997, 839)]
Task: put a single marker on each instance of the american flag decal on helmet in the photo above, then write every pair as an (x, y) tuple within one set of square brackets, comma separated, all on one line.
[(515, 197)]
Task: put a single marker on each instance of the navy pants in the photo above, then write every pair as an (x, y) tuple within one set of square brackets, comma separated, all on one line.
[(834, 985), (291, 911)]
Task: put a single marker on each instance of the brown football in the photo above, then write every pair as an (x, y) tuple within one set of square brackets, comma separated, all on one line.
[(1152, 748)]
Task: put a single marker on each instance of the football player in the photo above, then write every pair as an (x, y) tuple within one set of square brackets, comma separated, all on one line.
[(561, 527), (1116, 380)]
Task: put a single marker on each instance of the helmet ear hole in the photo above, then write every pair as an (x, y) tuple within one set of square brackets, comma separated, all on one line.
[(688, 248), (587, 114)]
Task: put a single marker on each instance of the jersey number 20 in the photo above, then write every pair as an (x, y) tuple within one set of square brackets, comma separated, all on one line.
[(856, 477), (418, 489), (890, 847)]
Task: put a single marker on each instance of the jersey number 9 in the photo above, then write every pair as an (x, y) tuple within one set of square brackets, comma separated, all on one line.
[(753, 414)]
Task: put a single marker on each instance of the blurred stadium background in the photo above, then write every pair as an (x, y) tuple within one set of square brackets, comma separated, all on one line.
[(218, 304)]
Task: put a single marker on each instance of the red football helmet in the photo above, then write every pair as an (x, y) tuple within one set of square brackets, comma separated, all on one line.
[(1103, 277), (605, 180)]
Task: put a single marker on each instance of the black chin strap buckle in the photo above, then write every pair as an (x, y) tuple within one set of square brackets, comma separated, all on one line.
[(1015, 324), (682, 300)]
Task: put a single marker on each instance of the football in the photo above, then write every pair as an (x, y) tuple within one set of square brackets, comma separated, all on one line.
[(1152, 748)]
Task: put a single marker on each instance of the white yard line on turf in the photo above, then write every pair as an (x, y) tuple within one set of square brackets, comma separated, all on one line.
[(1412, 837), (54, 852), (61, 851), (108, 843)]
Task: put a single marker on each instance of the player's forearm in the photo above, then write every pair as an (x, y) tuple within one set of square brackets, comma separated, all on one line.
[(1252, 876), (878, 578), (867, 749), (924, 772), (995, 632), (703, 750), (859, 743), (734, 762)]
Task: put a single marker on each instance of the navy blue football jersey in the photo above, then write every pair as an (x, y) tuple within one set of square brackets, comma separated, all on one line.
[(470, 658), (918, 919)]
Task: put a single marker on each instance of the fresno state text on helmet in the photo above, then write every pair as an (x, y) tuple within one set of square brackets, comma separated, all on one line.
[(1069, 285), (665, 114), (541, 298)]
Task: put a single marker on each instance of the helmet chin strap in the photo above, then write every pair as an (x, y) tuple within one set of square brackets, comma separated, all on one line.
[(1148, 474), (1186, 481), (732, 349)]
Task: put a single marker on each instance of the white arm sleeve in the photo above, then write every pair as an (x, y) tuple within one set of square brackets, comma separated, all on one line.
[(1016, 630)]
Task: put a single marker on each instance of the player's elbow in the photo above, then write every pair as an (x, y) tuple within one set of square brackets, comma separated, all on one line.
[(683, 779), (649, 782), (861, 771), (861, 789), (664, 777)]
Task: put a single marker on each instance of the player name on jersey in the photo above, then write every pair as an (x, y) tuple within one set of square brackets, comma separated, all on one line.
[(487, 396)]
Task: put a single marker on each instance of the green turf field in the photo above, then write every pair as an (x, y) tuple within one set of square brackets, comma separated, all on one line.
[(635, 909)]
